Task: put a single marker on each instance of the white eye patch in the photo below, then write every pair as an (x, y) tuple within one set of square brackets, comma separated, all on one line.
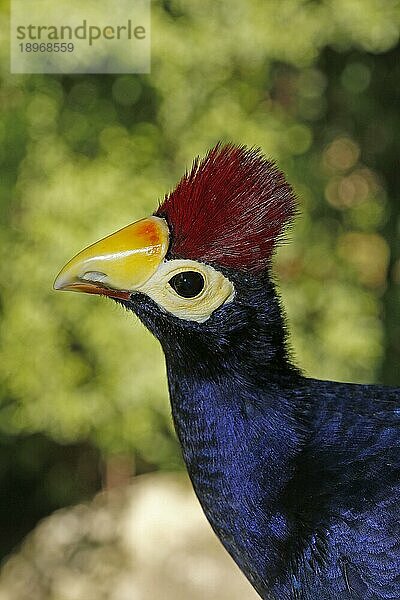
[(210, 289)]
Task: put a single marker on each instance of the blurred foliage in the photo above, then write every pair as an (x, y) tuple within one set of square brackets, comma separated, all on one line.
[(315, 85), (38, 476)]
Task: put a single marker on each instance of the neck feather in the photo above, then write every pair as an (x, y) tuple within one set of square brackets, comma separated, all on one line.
[(240, 435)]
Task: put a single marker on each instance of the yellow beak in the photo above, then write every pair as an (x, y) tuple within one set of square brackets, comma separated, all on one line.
[(118, 264)]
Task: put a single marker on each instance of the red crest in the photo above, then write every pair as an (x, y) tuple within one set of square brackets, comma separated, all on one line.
[(230, 209)]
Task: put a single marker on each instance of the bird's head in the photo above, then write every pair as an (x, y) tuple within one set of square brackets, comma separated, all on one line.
[(197, 271)]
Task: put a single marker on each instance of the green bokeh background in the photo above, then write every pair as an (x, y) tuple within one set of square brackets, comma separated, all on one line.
[(315, 84)]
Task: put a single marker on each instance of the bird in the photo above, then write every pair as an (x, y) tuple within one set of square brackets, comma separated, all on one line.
[(299, 478)]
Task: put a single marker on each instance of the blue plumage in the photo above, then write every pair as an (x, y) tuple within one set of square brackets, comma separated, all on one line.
[(299, 478)]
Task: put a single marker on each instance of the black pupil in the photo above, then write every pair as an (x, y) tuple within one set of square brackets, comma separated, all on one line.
[(187, 284)]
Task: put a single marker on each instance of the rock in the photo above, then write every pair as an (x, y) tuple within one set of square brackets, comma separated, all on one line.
[(145, 541)]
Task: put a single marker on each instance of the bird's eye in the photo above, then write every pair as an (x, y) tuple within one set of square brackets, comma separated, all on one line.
[(187, 284), (188, 289)]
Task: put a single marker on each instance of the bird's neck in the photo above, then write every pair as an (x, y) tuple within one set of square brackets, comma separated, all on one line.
[(239, 432)]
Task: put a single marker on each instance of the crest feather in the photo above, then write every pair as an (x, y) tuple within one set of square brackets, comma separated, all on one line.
[(230, 209)]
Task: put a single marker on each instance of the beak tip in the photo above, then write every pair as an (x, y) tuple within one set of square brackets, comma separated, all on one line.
[(60, 283)]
